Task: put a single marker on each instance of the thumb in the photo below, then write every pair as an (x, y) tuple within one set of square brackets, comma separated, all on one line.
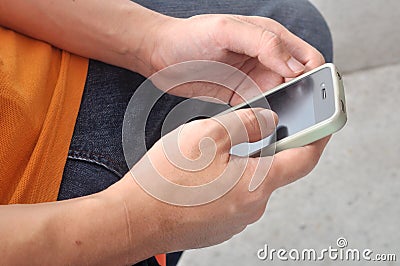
[(247, 125)]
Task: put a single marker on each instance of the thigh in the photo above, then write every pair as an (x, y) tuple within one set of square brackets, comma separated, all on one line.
[(95, 157), (94, 161)]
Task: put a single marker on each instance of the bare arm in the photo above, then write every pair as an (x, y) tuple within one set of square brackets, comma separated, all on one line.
[(110, 31), (102, 229), (94, 229)]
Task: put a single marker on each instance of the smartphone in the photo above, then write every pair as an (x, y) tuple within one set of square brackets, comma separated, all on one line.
[(309, 107)]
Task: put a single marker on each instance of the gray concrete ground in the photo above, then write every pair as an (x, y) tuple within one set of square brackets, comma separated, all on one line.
[(354, 192), (365, 33)]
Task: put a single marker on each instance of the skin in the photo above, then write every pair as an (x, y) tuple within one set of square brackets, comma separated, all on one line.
[(123, 224)]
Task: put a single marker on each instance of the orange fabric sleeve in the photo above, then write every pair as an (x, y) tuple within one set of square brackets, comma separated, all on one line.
[(162, 259), (40, 94)]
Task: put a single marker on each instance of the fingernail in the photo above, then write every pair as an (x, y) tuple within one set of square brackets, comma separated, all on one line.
[(271, 118), (295, 65)]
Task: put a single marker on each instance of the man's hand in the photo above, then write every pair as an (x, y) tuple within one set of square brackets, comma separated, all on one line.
[(269, 54), (260, 47), (205, 144)]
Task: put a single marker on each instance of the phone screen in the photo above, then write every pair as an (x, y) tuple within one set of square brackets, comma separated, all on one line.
[(299, 105)]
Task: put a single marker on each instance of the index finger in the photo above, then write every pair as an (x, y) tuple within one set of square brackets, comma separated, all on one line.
[(301, 50)]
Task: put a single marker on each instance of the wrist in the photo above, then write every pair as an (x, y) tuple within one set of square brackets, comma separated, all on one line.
[(141, 37), (142, 215)]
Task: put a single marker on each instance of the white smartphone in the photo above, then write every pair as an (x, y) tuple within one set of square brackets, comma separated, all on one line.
[(309, 107)]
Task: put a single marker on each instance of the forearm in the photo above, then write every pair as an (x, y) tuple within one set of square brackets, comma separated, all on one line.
[(110, 31), (94, 230)]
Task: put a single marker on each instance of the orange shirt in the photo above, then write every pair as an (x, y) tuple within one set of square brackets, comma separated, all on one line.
[(40, 94)]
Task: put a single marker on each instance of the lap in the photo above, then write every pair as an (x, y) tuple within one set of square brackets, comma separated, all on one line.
[(95, 159)]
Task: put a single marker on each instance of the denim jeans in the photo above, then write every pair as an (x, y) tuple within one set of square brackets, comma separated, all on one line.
[(95, 158)]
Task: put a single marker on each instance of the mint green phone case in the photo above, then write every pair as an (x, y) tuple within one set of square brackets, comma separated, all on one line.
[(317, 131)]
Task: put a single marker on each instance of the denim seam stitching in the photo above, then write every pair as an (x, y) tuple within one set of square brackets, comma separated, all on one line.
[(100, 160)]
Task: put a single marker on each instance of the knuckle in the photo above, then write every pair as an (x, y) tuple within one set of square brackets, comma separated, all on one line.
[(255, 206), (216, 129), (194, 132), (221, 22), (271, 40), (239, 229), (233, 209), (250, 119), (217, 25), (204, 124), (256, 215)]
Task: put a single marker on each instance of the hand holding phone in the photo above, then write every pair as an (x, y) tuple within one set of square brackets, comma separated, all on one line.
[(309, 107)]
